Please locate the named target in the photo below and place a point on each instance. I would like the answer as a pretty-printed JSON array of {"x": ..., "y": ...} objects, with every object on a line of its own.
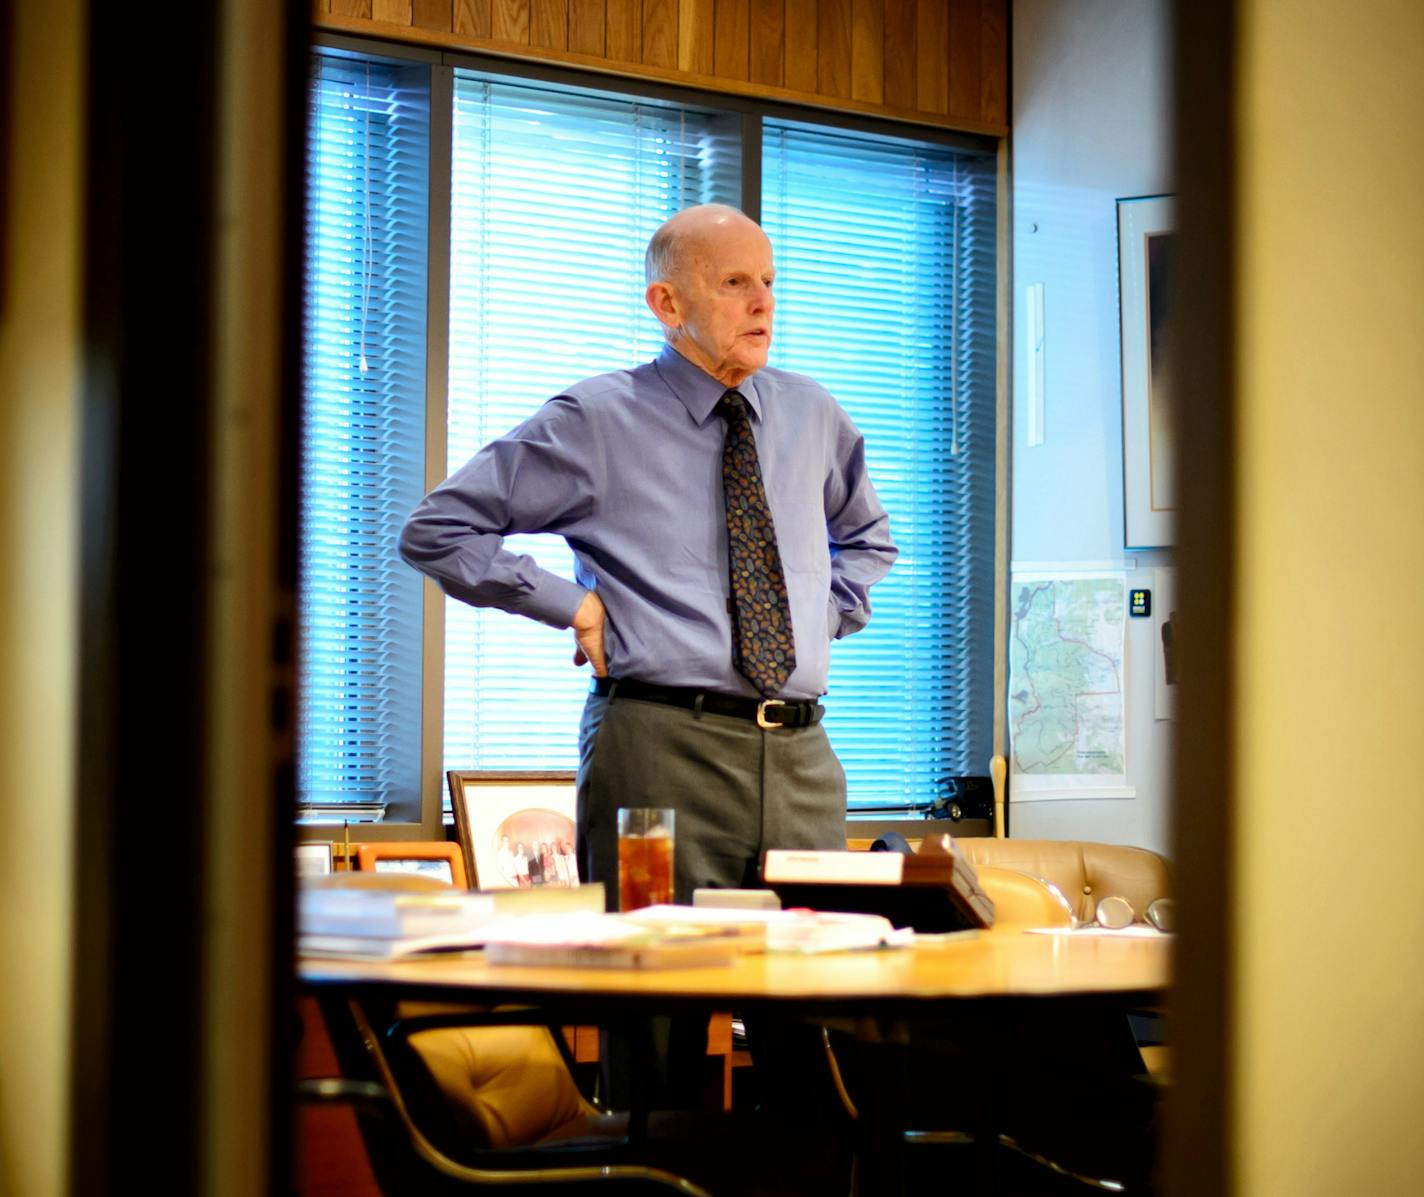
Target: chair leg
[{"x": 882, "y": 1122}]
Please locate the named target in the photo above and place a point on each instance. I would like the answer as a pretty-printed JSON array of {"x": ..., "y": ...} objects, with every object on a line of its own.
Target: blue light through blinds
[
  {"x": 553, "y": 198},
  {"x": 885, "y": 294},
  {"x": 363, "y": 435}
]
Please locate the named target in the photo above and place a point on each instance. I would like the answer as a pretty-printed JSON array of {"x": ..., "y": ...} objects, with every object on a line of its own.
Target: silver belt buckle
[{"x": 761, "y": 717}]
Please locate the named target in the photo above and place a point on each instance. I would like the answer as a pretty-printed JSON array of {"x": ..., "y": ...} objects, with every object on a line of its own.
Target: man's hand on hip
[{"x": 588, "y": 632}]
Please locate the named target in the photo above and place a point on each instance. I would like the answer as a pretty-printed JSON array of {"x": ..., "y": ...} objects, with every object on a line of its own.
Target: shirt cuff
[{"x": 555, "y": 601}]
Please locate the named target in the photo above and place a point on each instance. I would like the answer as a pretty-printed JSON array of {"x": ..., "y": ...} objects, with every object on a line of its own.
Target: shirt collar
[{"x": 699, "y": 391}]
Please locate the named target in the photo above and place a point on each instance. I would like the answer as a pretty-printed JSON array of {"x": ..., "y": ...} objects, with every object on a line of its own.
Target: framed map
[{"x": 1067, "y": 737}]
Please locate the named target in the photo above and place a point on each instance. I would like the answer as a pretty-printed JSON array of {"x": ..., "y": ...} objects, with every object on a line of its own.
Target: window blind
[
  {"x": 553, "y": 197},
  {"x": 885, "y": 295},
  {"x": 362, "y": 467},
  {"x": 885, "y": 253}
]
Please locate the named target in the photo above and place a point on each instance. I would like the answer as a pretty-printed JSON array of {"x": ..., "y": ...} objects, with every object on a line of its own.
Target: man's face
[{"x": 720, "y": 301}]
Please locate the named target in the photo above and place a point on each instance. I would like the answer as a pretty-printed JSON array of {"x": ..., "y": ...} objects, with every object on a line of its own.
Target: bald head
[
  {"x": 710, "y": 274},
  {"x": 677, "y": 237}
]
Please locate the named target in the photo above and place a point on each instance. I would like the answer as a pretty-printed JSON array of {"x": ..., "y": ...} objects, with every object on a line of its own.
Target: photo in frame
[
  {"x": 428, "y": 858},
  {"x": 314, "y": 860},
  {"x": 1146, "y": 240},
  {"x": 516, "y": 828}
]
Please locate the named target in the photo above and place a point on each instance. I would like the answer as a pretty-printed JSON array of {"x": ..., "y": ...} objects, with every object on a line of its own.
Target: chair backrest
[
  {"x": 406, "y": 1159},
  {"x": 501, "y": 1086},
  {"x": 1084, "y": 872},
  {"x": 1024, "y": 901}
]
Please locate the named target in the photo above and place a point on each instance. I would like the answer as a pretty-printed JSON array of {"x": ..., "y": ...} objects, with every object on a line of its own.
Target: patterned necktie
[{"x": 762, "y": 646}]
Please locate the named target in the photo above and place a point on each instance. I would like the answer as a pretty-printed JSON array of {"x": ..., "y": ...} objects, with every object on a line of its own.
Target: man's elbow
[{"x": 415, "y": 543}]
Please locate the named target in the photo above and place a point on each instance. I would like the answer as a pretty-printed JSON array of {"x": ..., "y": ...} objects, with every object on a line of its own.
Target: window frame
[{"x": 753, "y": 112}]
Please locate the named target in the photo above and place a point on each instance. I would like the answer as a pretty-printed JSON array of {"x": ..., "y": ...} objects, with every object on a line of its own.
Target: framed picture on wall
[
  {"x": 516, "y": 828},
  {"x": 429, "y": 858},
  {"x": 1145, "y": 244}
]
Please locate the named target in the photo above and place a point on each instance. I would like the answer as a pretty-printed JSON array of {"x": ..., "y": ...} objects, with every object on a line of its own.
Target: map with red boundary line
[{"x": 1066, "y": 676}]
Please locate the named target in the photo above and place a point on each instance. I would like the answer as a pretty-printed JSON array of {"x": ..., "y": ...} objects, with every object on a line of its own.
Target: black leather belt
[{"x": 770, "y": 713}]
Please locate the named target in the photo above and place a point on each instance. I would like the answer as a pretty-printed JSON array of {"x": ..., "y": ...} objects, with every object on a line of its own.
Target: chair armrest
[{"x": 337, "y": 1090}]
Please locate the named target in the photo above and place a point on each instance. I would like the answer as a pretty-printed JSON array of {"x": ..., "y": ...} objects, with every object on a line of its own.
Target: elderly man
[{"x": 726, "y": 532}]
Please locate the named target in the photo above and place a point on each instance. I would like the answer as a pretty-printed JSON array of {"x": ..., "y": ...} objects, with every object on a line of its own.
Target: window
[
  {"x": 885, "y": 255},
  {"x": 553, "y": 199},
  {"x": 363, "y": 462},
  {"x": 885, "y": 295}
]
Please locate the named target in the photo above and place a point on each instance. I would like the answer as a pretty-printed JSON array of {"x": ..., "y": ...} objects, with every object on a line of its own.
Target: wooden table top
[{"x": 992, "y": 964}]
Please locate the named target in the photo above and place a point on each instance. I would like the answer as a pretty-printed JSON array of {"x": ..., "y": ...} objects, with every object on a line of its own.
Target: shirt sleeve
[
  {"x": 540, "y": 478},
  {"x": 859, "y": 531}
]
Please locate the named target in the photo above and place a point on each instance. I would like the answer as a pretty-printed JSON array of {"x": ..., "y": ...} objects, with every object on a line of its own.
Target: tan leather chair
[
  {"x": 490, "y": 1077},
  {"x": 1042, "y": 883},
  {"x": 1021, "y": 900},
  {"x": 495, "y": 1105},
  {"x": 1084, "y": 872},
  {"x": 506, "y": 1086}
]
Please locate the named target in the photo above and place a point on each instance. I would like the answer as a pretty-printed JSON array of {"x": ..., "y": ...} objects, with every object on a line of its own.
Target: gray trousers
[{"x": 737, "y": 789}]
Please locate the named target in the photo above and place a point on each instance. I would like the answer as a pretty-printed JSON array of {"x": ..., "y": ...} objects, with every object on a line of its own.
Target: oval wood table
[
  {"x": 965, "y": 986},
  {"x": 988, "y": 965}
]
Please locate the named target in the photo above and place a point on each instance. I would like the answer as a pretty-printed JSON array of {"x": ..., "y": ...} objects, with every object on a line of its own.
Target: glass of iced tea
[{"x": 645, "y": 843}]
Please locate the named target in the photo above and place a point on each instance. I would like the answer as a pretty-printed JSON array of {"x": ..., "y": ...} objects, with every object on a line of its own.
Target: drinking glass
[{"x": 645, "y": 844}]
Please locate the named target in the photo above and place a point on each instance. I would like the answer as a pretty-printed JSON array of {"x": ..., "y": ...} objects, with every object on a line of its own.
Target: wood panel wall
[{"x": 933, "y": 62}]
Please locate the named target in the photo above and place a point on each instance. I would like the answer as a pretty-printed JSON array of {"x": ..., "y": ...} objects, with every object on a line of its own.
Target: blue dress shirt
[{"x": 626, "y": 467}]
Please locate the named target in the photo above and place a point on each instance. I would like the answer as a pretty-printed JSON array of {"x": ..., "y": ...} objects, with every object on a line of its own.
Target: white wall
[{"x": 1091, "y": 124}]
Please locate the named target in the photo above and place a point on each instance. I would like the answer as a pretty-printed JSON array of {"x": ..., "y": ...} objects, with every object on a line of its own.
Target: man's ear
[{"x": 662, "y": 302}]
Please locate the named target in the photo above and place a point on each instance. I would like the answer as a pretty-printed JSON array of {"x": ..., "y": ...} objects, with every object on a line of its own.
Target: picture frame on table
[
  {"x": 503, "y": 815},
  {"x": 1146, "y": 237},
  {"x": 429, "y": 858},
  {"x": 314, "y": 860}
]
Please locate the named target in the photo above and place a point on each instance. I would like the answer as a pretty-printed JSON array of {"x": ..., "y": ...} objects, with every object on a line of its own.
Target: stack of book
[{"x": 384, "y": 924}]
